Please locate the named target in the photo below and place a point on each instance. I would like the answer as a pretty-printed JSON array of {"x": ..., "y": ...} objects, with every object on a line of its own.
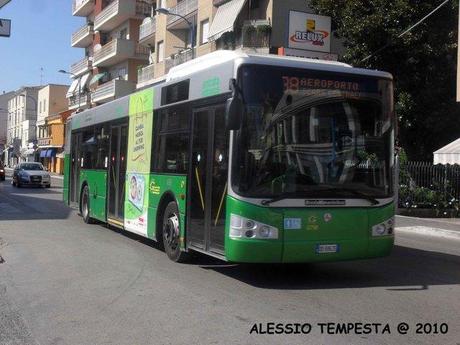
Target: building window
[
  {"x": 160, "y": 51},
  {"x": 44, "y": 105},
  {"x": 204, "y": 31}
]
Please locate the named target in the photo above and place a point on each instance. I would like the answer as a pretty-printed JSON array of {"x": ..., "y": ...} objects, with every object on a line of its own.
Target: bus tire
[
  {"x": 85, "y": 205},
  {"x": 171, "y": 233}
]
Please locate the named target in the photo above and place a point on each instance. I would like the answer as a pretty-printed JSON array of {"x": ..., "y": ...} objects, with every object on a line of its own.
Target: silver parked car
[{"x": 31, "y": 174}]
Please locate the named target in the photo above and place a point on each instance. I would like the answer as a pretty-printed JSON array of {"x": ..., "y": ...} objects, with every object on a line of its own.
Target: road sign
[
  {"x": 4, "y": 2},
  {"x": 5, "y": 27}
]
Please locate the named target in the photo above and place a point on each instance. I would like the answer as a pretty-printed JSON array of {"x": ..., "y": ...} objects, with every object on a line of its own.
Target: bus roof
[{"x": 223, "y": 56}]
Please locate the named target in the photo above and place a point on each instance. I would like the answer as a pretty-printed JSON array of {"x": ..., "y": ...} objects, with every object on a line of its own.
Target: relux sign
[{"x": 309, "y": 32}]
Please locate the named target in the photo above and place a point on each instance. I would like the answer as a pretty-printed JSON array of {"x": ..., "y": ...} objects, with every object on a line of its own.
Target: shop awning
[
  {"x": 50, "y": 153},
  {"x": 97, "y": 77},
  {"x": 225, "y": 18},
  {"x": 84, "y": 80},
  {"x": 72, "y": 88}
]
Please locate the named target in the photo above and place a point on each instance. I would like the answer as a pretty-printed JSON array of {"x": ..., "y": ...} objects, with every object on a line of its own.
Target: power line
[{"x": 406, "y": 31}]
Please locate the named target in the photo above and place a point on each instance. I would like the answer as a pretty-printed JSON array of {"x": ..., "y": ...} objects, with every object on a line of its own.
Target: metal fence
[{"x": 425, "y": 183}]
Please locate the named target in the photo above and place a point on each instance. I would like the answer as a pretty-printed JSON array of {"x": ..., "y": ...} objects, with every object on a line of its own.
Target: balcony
[
  {"x": 83, "y": 37},
  {"x": 178, "y": 59},
  {"x": 81, "y": 101},
  {"x": 111, "y": 90},
  {"x": 147, "y": 31},
  {"x": 145, "y": 76},
  {"x": 120, "y": 11},
  {"x": 119, "y": 50},
  {"x": 186, "y": 8},
  {"x": 82, "y": 8},
  {"x": 254, "y": 37},
  {"x": 82, "y": 66}
]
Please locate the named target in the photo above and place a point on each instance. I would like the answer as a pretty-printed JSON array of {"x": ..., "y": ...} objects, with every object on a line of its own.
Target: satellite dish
[
  {"x": 147, "y": 20},
  {"x": 97, "y": 47}
]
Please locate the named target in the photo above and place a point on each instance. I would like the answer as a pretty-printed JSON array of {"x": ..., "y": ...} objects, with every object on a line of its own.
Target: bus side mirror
[{"x": 233, "y": 115}]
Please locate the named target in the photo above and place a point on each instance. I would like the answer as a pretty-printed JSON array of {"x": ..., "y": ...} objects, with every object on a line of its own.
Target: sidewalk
[{"x": 439, "y": 227}]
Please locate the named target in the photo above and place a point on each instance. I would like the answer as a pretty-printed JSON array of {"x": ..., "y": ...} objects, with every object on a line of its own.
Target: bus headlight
[
  {"x": 241, "y": 227},
  {"x": 384, "y": 229}
]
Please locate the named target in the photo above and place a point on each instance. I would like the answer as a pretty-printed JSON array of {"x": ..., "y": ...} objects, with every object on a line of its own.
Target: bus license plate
[{"x": 327, "y": 248}]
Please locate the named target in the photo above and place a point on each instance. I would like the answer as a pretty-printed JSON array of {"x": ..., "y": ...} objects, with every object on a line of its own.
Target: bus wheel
[
  {"x": 171, "y": 233},
  {"x": 85, "y": 207}
]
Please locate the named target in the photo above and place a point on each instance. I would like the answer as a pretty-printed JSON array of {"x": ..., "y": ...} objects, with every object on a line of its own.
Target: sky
[{"x": 40, "y": 38}]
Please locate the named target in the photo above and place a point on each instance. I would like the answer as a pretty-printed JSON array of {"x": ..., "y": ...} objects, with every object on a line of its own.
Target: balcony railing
[
  {"x": 146, "y": 74},
  {"x": 253, "y": 37},
  {"x": 254, "y": 34},
  {"x": 178, "y": 59},
  {"x": 84, "y": 32},
  {"x": 119, "y": 11},
  {"x": 148, "y": 28},
  {"x": 81, "y": 66},
  {"x": 183, "y": 8},
  {"x": 82, "y": 7},
  {"x": 104, "y": 90},
  {"x": 118, "y": 50},
  {"x": 112, "y": 89},
  {"x": 79, "y": 101}
]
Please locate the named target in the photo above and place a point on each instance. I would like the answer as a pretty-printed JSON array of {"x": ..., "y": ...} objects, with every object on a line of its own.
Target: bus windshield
[{"x": 313, "y": 134}]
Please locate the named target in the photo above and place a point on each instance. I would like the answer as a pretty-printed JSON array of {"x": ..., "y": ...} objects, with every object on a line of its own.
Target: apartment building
[
  {"x": 4, "y": 98},
  {"x": 112, "y": 55},
  {"x": 22, "y": 118},
  {"x": 180, "y": 30},
  {"x": 51, "y": 101},
  {"x": 130, "y": 44}
]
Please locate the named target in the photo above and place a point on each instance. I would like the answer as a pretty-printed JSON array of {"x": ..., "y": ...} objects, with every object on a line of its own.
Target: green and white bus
[{"x": 247, "y": 158}]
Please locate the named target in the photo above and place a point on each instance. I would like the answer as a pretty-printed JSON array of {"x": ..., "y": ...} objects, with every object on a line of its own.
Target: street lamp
[
  {"x": 167, "y": 12},
  {"x": 79, "y": 85}
]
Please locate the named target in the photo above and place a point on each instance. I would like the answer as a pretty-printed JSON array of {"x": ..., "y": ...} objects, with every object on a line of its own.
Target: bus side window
[{"x": 172, "y": 140}]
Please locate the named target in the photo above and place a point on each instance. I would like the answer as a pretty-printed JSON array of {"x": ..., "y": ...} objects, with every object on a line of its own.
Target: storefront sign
[{"x": 309, "y": 32}]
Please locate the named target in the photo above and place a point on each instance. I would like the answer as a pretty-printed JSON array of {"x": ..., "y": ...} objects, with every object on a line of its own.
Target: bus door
[
  {"x": 208, "y": 180},
  {"x": 75, "y": 161},
  {"x": 117, "y": 174}
]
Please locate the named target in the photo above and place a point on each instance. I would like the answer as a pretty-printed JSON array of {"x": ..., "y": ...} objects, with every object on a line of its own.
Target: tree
[{"x": 423, "y": 62}]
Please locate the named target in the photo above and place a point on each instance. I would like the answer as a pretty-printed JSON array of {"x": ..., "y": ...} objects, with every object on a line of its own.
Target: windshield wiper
[
  {"x": 282, "y": 196},
  {"x": 371, "y": 199},
  {"x": 297, "y": 195}
]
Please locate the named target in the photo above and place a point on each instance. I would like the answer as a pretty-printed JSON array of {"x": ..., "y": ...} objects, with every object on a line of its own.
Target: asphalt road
[{"x": 64, "y": 282}]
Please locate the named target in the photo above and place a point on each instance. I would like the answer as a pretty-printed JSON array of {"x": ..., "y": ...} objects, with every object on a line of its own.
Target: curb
[{"x": 429, "y": 231}]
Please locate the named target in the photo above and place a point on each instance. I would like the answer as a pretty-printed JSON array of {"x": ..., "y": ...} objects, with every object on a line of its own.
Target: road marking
[{"x": 429, "y": 231}]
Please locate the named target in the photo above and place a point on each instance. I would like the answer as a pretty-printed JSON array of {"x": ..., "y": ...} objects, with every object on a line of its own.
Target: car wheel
[
  {"x": 85, "y": 206},
  {"x": 171, "y": 233},
  {"x": 18, "y": 184}
]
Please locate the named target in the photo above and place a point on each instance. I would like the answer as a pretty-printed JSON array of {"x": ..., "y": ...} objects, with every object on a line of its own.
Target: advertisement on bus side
[{"x": 138, "y": 164}]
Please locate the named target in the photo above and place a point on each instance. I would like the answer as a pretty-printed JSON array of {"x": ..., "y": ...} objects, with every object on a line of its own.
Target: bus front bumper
[{"x": 265, "y": 251}]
